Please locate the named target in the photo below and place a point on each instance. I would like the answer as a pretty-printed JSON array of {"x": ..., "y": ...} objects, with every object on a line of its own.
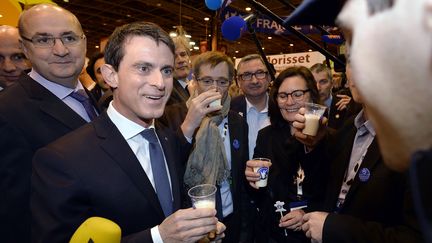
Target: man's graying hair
[{"x": 114, "y": 50}]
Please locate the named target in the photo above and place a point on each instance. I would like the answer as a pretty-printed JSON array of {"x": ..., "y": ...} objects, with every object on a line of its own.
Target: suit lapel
[
  {"x": 113, "y": 143},
  {"x": 237, "y": 149},
  {"x": 50, "y": 104},
  {"x": 371, "y": 159}
]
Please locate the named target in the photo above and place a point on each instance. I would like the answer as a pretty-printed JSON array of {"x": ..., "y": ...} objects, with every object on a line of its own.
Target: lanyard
[{"x": 299, "y": 181}]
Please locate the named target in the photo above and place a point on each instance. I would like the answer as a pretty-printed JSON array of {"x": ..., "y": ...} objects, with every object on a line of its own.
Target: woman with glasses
[{"x": 297, "y": 177}]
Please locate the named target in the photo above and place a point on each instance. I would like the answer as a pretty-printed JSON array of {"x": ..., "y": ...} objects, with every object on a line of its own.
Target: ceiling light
[
  {"x": 96, "y": 47},
  {"x": 66, "y": 1},
  {"x": 172, "y": 34},
  {"x": 209, "y": 35},
  {"x": 188, "y": 36},
  {"x": 236, "y": 51},
  {"x": 291, "y": 44},
  {"x": 128, "y": 15},
  {"x": 269, "y": 37},
  {"x": 263, "y": 48},
  {"x": 235, "y": 57},
  {"x": 310, "y": 49},
  {"x": 192, "y": 43},
  {"x": 196, "y": 48},
  {"x": 206, "y": 19},
  {"x": 1, "y": 16},
  {"x": 248, "y": 9}
]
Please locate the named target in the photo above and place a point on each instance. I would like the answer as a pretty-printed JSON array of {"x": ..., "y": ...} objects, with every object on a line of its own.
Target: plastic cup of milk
[
  {"x": 263, "y": 171},
  {"x": 313, "y": 115},
  {"x": 204, "y": 196}
]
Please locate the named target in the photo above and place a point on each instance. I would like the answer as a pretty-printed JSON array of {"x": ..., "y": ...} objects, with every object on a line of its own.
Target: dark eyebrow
[
  {"x": 167, "y": 66},
  {"x": 49, "y": 34},
  {"x": 377, "y": 6}
]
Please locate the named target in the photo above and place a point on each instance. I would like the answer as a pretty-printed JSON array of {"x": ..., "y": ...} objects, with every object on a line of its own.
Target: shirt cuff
[{"x": 156, "y": 237}]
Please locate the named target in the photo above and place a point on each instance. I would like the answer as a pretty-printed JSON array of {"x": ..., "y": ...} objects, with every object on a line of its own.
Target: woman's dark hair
[
  {"x": 90, "y": 66},
  {"x": 276, "y": 118}
]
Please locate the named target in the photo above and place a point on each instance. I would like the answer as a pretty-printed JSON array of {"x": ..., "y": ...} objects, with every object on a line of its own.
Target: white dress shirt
[
  {"x": 256, "y": 121},
  {"x": 131, "y": 132}
]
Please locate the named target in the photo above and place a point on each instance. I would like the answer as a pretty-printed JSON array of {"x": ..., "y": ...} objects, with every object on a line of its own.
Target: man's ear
[
  {"x": 110, "y": 75},
  {"x": 23, "y": 47}
]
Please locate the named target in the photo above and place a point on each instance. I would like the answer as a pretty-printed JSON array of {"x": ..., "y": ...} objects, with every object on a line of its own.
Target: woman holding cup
[{"x": 297, "y": 177}]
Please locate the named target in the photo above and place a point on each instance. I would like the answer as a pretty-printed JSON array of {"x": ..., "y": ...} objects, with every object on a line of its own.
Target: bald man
[
  {"x": 39, "y": 108},
  {"x": 12, "y": 59}
]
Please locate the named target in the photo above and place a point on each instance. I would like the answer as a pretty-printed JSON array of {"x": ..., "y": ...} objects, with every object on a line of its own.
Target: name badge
[{"x": 298, "y": 205}]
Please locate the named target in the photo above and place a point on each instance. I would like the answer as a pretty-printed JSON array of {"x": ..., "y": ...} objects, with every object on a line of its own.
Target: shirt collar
[
  {"x": 360, "y": 120},
  {"x": 58, "y": 90},
  {"x": 250, "y": 106},
  {"x": 127, "y": 128},
  {"x": 328, "y": 101}
]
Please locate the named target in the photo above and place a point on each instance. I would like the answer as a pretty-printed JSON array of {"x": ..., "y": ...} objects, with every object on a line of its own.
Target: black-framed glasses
[
  {"x": 247, "y": 76},
  {"x": 47, "y": 41},
  {"x": 221, "y": 82},
  {"x": 296, "y": 95}
]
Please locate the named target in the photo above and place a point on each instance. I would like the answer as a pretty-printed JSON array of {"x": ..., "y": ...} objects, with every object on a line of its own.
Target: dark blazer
[
  {"x": 337, "y": 118},
  {"x": 238, "y": 104},
  {"x": 286, "y": 154},
  {"x": 239, "y": 228},
  {"x": 93, "y": 172},
  {"x": 178, "y": 94},
  {"x": 30, "y": 118},
  {"x": 379, "y": 209}
]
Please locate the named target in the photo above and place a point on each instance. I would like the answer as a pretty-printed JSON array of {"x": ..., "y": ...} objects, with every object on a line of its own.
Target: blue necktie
[
  {"x": 81, "y": 96},
  {"x": 159, "y": 170}
]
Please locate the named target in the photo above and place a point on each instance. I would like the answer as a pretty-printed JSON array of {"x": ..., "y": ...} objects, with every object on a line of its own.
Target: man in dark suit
[
  {"x": 253, "y": 80},
  {"x": 340, "y": 106},
  {"x": 115, "y": 167},
  {"x": 39, "y": 108},
  {"x": 182, "y": 66},
  {"x": 366, "y": 201}
]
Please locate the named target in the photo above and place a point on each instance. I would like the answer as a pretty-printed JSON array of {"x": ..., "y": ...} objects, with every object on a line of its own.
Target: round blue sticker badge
[
  {"x": 364, "y": 174},
  {"x": 236, "y": 144}
]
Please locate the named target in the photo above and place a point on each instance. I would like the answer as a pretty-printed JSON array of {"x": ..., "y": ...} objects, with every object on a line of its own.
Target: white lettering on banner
[
  {"x": 283, "y": 61},
  {"x": 269, "y": 24}
]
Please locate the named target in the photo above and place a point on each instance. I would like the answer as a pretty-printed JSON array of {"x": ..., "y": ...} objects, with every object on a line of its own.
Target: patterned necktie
[
  {"x": 81, "y": 96},
  {"x": 159, "y": 170}
]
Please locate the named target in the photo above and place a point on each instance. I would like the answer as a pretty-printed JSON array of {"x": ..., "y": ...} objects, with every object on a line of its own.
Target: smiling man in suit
[
  {"x": 39, "y": 108},
  {"x": 123, "y": 166}
]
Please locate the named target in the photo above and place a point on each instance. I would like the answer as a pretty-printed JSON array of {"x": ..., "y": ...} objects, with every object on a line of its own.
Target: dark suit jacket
[
  {"x": 178, "y": 94},
  {"x": 30, "y": 118},
  {"x": 379, "y": 209},
  {"x": 93, "y": 172},
  {"x": 286, "y": 153},
  {"x": 238, "y": 129},
  {"x": 238, "y": 104},
  {"x": 337, "y": 118}
]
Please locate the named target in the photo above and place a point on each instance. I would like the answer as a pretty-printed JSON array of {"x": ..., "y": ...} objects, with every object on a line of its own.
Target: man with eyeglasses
[
  {"x": 340, "y": 106},
  {"x": 44, "y": 105},
  {"x": 12, "y": 60},
  {"x": 253, "y": 80},
  {"x": 220, "y": 148}
]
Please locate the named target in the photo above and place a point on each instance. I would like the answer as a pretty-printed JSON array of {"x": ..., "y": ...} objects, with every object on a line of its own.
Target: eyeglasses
[
  {"x": 43, "y": 41},
  {"x": 296, "y": 95},
  {"x": 209, "y": 82},
  {"x": 248, "y": 76}
]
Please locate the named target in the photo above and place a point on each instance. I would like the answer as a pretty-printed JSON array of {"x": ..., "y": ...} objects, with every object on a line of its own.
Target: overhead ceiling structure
[{"x": 100, "y": 17}]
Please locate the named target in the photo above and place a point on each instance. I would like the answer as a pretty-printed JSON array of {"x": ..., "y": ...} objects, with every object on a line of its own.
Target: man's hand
[
  {"x": 198, "y": 109},
  {"x": 313, "y": 225},
  {"x": 252, "y": 176},
  {"x": 189, "y": 225},
  {"x": 343, "y": 102},
  {"x": 299, "y": 124},
  {"x": 292, "y": 220}
]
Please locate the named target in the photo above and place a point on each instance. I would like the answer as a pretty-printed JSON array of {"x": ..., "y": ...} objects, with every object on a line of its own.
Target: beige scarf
[{"x": 207, "y": 163}]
